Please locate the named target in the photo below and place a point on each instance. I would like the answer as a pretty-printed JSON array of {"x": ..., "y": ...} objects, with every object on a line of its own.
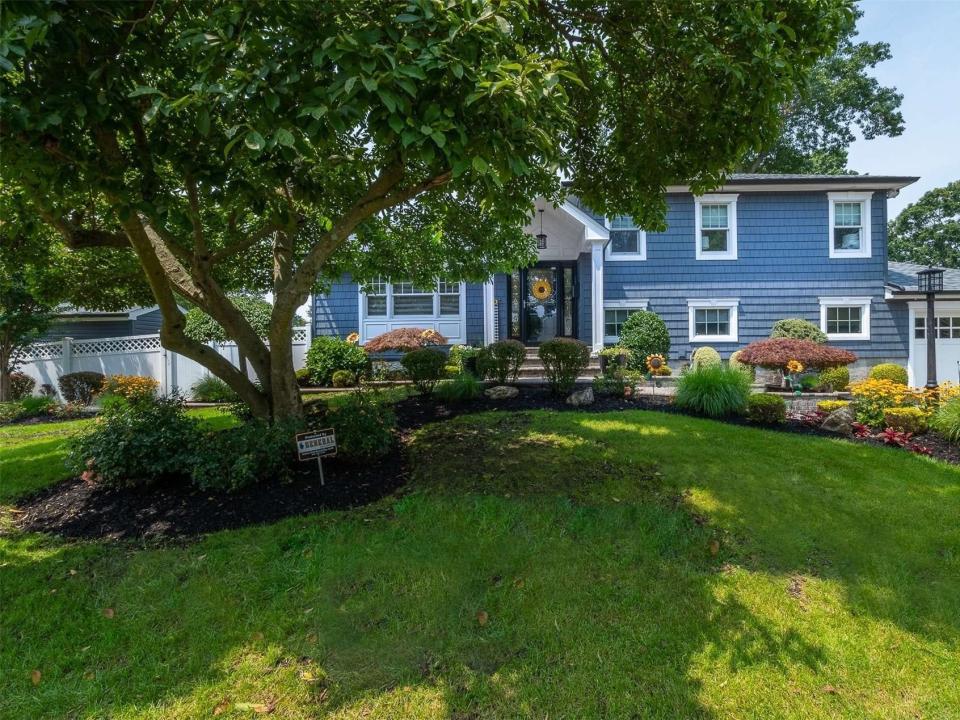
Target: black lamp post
[{"x": 930, "y": 282}]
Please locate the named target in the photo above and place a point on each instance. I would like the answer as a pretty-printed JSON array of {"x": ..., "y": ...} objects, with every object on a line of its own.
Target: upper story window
[
  {"x": 627, "y": 241},
  {"x": 713, "y": 320},
  {"x": 849, "y": 224},
  {"x": 403, "y": 299},
  {"x": 716, "y": 227},
  {"x": 845, "y": 318}
]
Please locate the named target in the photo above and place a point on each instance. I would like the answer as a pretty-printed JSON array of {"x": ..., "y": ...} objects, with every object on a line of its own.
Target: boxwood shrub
[
  {"x": 798, "y": 329},
  {"x": 889, "y": 371},
  {"x": 501, "y": 360},
  {"x": 563, "y": 360},
  {"x": 835, "y": 379},
  {"x": 705, "y": 356},
  {"x": 644, "y": 333},
  {"x": 766, "y": 409}
]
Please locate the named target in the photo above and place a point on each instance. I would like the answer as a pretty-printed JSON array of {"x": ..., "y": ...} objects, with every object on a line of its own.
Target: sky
[{"x": 924, "y": 37}]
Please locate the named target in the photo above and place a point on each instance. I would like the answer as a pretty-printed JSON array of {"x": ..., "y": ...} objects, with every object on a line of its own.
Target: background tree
[
  {"x": 928, "y": 231},
  {"x": 839, "y": 97},
  {"x": 257, "y": 145}
]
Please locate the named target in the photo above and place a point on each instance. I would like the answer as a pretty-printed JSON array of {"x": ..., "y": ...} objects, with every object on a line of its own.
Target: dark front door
[{"x": 544, "y": 301}]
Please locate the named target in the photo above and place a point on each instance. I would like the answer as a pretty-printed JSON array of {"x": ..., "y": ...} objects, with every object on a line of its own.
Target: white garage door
[{"x": 947, "y": 334}]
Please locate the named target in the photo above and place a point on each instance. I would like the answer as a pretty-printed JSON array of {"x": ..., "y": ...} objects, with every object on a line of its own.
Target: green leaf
[
  {"x": 348, "y": 85},
  {"x": 151, "y": 112},
  {"x": 284, "y": 137},
  {"x": 369, "y": 83},
  {"x": 254, "y": 141},
  {"x": 203, "y": 122},
  {"x": 273, "y": 102},
  {"x": 143, "y": 90},
  {"x": 388, "y": 99},
  {"x": 396, "y": 123},
  {"x": 438, "y": 138},
  {"x": 408, "y": 18},
  {"x": 480, "y": 165}
]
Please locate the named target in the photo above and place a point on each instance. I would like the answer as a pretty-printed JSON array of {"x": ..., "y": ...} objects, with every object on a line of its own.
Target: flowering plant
[
  {"x": 134, "y": 388},
  {"x": 794, "y": 367},
  {"x": 353, "y": 338}
]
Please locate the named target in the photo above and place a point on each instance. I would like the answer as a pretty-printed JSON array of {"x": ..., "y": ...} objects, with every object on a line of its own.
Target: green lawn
[{"x": 539, "y": 565}]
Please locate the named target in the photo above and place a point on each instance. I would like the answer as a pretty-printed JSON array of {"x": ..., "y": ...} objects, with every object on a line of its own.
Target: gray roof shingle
[{"x": 903, "y": 275}]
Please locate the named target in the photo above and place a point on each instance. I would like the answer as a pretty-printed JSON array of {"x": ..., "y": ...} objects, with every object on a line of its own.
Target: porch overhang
[{"x": 570, "y": 231}]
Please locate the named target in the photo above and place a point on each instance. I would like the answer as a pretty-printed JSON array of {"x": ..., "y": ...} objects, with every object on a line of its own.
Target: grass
[{"x": 561, "y": 565}]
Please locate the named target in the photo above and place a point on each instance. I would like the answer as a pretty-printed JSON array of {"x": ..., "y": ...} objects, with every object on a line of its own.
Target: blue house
[{"x": 729, "y": 265}]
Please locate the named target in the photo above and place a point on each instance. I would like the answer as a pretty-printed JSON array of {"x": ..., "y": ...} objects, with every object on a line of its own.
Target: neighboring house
[
  {"x": 82, "y": 324},
  {"x": 729, "y": 265},
  {"x": 902, "y": 292}
]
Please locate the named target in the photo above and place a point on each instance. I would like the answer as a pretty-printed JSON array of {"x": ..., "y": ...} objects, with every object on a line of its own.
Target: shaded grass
[{"x": 585, "y": 540}]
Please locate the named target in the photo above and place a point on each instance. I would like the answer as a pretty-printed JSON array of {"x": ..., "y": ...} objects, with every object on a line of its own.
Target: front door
[{"x": 545, "y": 300}]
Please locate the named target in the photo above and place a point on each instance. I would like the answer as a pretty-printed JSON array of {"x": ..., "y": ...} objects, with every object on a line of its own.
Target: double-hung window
[
  {"x": 404, "y": 299},
  {"x": 713, "y": 320},
  {"x": 409, "y": 300},
  {"x": 849, "y": 214},
  {"x": 716, "y": 227},
  {"x": 615, "y": 314},
  {"x": 627, "y": 241},
  {"x": 376, "y": 298},
  {"x": 845, "y": 318}
]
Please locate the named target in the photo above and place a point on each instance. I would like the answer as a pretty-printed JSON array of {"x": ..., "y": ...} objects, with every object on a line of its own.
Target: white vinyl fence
[{"x": 132, "y": 355}]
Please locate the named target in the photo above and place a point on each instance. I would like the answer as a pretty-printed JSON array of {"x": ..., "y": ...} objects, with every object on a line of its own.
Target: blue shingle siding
[
  {"x": 782, "y": 269},
  {"x": 337, "y": 312},
  {"x": 585, "y": 282},
  {"x": 474, "y": 314},
  {"x": 88, "y": 329},
  {"x": 148, "y": 323}
]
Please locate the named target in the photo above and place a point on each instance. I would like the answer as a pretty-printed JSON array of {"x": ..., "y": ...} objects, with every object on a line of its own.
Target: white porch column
[
  {"x": 489, "y": 331},
  {"x": 596, "y": 293}
]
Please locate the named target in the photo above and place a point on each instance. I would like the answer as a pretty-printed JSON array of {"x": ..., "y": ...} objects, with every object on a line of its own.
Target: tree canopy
[
  {"x": 259, "y": 145},
  {"x": 839, "y": 98},
  {"x": 928, "y": 231}
]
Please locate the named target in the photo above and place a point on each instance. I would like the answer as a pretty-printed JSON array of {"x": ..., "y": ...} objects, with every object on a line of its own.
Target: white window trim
[
  {"x": 731, "y": 202},
  {"x": 620, "y": 305},
  {"x": 862, "y": 302},
  {"x": 608, "y": 253},
  {"x": 731, "y": 304},
  {"x": 865, "y": 250},
  {"x": 433, "y": 317}
]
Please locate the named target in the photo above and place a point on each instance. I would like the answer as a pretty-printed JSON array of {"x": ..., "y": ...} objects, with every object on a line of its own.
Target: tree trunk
[
  {"x": 285, "y": 397},
  {"x": 6, "y": 353}
]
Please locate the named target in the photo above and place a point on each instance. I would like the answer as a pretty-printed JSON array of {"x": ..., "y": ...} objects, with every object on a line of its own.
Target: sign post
[{"x": 318, "y": 444}]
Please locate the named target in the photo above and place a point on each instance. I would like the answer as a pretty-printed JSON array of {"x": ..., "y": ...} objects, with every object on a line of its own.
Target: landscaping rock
[
  {"x": 581, "y": 397},
  {"x": 840, "y": 421},
  {"x": 501, "y": 392}
]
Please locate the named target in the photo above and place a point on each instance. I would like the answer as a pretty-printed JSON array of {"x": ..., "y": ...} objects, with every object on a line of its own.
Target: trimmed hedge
[
  {"x": 835, "y": 379},
  {"x": 766, "y": 409},
  {"x": 889, "y": 371},
  {"x": 705, "y": 356},
  {"x": 644, "y": 333},
  {"x": 563, "y": 360}
]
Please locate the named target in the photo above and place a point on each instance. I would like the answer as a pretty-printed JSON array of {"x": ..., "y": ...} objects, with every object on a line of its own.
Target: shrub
[
  {"x": 872, "y": 398},
  {"x": 462, "y": 387},
  {"x": 425, "y": 367},
  {"x": 329, "y": 354},
  {"x": 618, "y": 357},
  {"x": 563, "y": 360},
  {"x": 766, "y": 409},
  {"x": 343, "y": 379},
  {"x": 610, "y": 384},
  {"x": 364, "y": 427},
  {"x": 810, "y": 382},
  {"x": 501, "y": 360},
  {"x": 644, "y": 333},
  {"x": 35, "y": 406},
  {"x": 833, "y": 379},
  {"x": 830, "y": 406},
  {"x": 705, "y": 356},
  {"x": 460, "y": 353},
  {"x": 135, "y": 443},
  {"x": 214, "y": 390},
  {"x": 713, "y": 391},
  {"x": 735, "y": 364},
  {"x": 303, "y": 377},
  {"x": 889, "y": 371},
  {"x": 906, "y": 419},
  {"x": 80, "y": 387},
  {"x": 404, "y": 340},
  {"x": 239, "y": 456},
  {"x": 946, "y": 420},
  {"x": 798, "y": 329},
  {"x": 135, "y": 388},
  {"x": 21, "y": 385},
  {"x": 777, "y": 352}
]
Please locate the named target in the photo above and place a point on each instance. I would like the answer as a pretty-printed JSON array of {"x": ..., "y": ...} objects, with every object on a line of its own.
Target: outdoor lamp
[{"x": 930, "y": 282}]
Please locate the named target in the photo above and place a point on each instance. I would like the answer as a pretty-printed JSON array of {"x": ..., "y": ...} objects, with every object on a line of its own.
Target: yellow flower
[
  {"x": 353, "y": 338},
  {"x": 655, "y": 361},
  {"x": 794, "y": 366}
]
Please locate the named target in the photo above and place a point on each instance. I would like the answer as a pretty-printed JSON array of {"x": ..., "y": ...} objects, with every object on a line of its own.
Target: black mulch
[{"x": 176, "y": 511}]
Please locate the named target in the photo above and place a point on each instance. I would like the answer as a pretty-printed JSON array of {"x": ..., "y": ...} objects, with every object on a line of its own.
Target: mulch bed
[{"x": 176, "y": 511}]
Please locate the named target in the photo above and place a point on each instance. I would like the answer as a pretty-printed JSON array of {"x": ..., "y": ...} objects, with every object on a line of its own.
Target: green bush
[
  {"x": 36, "y": 406},
  {"x": 459, "y": 353},
  {"x": 906, "y": 419},
  {"x": 210, "y": 389},
  {"x": 303, "y": 377},
  {"x": 810, "y": 382},
  {"x": 343, "y": 379},
  {"x": 644, "y": 333},
  {"x": 135, "y": 443},
  {"x": 80, "y": 387},
  {"x": 613, "y": 384},
  {"x": 462, "y": 387},
  {"x": 329, "y": 354},
  {"x": 21, "y": 385},
  {"x": 425, "y": 367},
  {"x": 239, "y": 456},
  {"x": 735, "y": 364},
  {"x": 563, "y": 360},
  {"x": 713, "y": 391},
  {"x": 946, "y": 420},
  {"x": 833, "y": 379},
  {"x": 704, "y": 357},
  {"x": 889, "y": 371},
  {"x": 797, "y": 329},
  {"x": 364, "y": 427},
  {"x": 501, "y": 360},
  {"x": 766, "y": 409}
]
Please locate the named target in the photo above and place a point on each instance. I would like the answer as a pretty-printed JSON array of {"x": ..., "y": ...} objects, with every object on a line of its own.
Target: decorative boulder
[
  {"x": 581, "y": 397},
  {"x": 840, "y": 421},
  {"x": 501, "y": 392}
]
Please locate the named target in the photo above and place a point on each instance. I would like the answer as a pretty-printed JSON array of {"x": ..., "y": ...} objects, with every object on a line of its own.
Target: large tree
[
  {"x": 928, "y": 231},
  {"x": 839, "y": 98},
  {"x": 263, "y": 145}
]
